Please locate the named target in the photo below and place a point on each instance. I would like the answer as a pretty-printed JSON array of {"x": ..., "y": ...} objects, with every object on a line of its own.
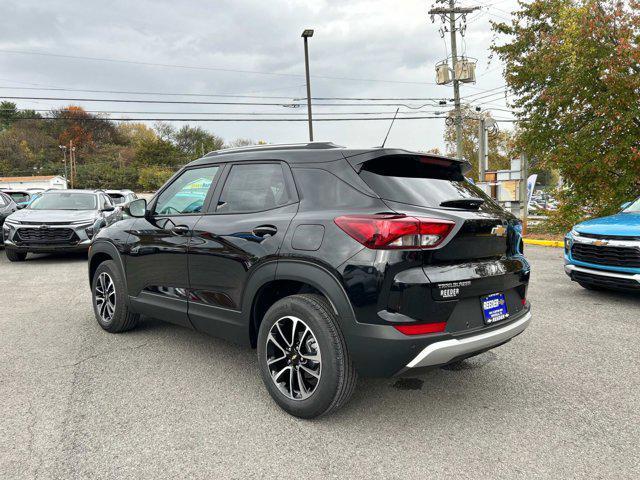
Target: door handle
[
  {"x": 265, "y": 231},
  {"x": 180, "y": 229}
]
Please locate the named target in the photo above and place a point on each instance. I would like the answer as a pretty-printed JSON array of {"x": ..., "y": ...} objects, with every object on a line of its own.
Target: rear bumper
[{"x": 443, "y": 352}]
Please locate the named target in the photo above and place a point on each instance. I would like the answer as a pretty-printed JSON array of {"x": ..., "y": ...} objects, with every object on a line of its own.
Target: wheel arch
[
  {"x": 101, "y": 252},
  {"x": 292, "y": 277}
]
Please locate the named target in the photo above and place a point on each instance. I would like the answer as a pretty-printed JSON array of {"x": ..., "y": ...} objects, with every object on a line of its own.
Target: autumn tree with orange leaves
[{"x": 574, "y": 67}]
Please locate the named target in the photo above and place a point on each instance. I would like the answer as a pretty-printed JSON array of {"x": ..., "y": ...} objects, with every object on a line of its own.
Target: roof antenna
[{"x": 390, "y": 126}]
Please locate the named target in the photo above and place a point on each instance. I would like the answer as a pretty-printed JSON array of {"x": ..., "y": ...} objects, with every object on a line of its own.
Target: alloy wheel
[
  {"x": 293, "y": 358},
  {"x": 105, "y": 293}
]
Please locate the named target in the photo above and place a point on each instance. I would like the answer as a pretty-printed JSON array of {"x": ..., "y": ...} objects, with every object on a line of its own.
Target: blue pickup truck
[{"x": 604, "y": 253}]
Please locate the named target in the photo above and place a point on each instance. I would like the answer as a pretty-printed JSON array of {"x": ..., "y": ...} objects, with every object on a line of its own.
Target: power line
[
  {"x": 200, "y": 102},
  {"x": 222, "y": 95},
  {"x": 237, "y": 119},
  {"x": 197, "y": 67},
  {"x": 147, "y": 112}
]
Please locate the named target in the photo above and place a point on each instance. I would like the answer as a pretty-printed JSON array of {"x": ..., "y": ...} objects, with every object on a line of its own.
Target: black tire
[
  {"x": 337, "y": 375},
  {"x": 14, "y": 255},
  {"x": 122, "y": 319}
]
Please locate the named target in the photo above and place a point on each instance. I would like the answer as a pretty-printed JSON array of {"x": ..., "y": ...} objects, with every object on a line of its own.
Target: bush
[
  {"x": 106, "y": 176},
  {"x": 151, "y": 179}
]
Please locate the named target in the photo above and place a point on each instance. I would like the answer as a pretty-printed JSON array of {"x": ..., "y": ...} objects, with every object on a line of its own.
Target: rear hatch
[
  {"x": 427, "y": 186},
  {"x": 476, "y": 259}
]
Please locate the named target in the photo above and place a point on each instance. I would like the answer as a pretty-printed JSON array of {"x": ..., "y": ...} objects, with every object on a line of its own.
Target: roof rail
[{"x": 277, "y": 146}]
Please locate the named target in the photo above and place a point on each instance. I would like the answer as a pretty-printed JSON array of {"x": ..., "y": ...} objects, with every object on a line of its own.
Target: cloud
[{"x": 373, "y": 39}]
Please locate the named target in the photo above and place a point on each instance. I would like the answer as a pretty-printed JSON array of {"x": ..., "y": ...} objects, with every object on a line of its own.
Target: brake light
[
  {"x": 382, "y": 232},
  {"x": 421, "y": 329}
]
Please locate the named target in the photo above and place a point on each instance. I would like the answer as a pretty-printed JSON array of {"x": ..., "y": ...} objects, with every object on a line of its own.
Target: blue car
[{"x": 604, "y": 253}]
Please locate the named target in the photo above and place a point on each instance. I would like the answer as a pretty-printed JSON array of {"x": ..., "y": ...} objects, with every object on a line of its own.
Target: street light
[{"x": 308, "y": 33}]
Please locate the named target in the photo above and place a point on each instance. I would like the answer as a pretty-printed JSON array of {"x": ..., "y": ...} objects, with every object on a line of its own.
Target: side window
[
  {"x": 253, "y": 188},
  {"x": 2, "y": 201},
  {"x": 187, "y": 192},
  {"x": 105, "y": 201}
]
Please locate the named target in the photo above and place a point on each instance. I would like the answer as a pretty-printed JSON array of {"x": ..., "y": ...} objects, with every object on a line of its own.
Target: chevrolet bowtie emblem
[
  {"x": 498, "y": 231},
  {"x": 600, "y": 243}
]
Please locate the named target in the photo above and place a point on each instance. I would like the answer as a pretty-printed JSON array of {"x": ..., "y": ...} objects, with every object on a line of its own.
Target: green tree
[
  {"x": 574, "y": 67},
  {"x": 152, "y": 178},
  {"x": 195, "y": 141},
  {"x": 159, "y": 152}
]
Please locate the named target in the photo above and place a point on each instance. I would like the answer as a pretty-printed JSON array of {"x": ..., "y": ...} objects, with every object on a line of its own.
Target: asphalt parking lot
[{"x": 560, "y": 401}]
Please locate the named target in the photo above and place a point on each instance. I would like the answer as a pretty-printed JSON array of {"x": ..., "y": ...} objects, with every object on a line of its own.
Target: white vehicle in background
[{"x": 121, "y": 197}]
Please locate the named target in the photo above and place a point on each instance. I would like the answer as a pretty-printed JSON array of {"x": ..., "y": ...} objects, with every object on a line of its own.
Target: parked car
[
  {"x": 21, "y": 197},
  {"x": 121, "y": 197},
  {"x": 7, "y": 207},
  {"x": 604, "y": 253},
  {"x": 331, "y": 262},
  {"x": 58, "y": 220}
]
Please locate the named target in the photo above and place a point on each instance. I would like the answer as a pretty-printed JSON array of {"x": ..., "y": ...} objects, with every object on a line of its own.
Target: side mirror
[
  {"x": 625, "y": 205},
  {"x": 109, "y": 208},
  {"x": 136, "y": 208},
  {"x": 21, "y": 206}
]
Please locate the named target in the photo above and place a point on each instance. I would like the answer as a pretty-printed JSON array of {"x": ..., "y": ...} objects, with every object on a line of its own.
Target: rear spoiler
[{"x": 358, "y": 158}]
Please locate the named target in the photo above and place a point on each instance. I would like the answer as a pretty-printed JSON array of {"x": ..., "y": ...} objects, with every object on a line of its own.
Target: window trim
[
  {"x": 286, "y": 173},
  {"x": 214, "y": 183}
]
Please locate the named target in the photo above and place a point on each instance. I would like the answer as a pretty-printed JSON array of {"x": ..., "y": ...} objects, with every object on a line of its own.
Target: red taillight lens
[
  {"x": 395, "y": 231},
  {"x": 421, "y": 329}
]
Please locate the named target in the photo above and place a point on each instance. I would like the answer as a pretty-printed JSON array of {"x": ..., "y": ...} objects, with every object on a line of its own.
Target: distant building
[{"x": 36, "y": 181}]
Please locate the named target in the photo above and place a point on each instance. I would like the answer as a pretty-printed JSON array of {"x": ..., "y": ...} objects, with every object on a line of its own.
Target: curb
[{"x": 544, "y": 243}]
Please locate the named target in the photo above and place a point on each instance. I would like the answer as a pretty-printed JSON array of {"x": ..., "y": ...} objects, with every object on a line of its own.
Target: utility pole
[
  {"x": 64, "y": 154},
  {"x": 308, "y": 33},
  {"x": 451, "y": 13},
  {"x": 524, "y": 194},
  {"x": 483, "y": 149}
]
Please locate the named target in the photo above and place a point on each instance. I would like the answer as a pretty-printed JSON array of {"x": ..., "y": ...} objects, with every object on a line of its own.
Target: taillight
[
  {"x": 421, "y": 329},
  {"x": 381, "y": 232}
]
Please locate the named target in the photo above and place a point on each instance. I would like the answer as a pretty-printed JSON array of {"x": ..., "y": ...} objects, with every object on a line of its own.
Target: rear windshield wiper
[{"x": 471, "y": 203}]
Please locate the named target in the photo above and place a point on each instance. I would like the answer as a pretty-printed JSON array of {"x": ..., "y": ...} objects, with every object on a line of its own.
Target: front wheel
[
  {"x": 109, "y": 306},
  {"x": 303, "y": 357}
]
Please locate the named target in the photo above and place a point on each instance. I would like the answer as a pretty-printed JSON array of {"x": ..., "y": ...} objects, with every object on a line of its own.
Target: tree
[
  {"x": 152, "y": 178},
  {"x": 574, "y": 67},
  {"x": 500, "y": 143},
  {"x": 195, "y": 141},
  {"x": 135, "y": 134}
]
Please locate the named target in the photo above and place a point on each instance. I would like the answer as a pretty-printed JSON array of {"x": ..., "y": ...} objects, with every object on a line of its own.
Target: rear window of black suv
[{"x": 422, "y": 181}]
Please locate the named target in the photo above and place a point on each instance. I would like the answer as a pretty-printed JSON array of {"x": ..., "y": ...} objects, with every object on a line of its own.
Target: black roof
[{"x": 313, "y": 152}]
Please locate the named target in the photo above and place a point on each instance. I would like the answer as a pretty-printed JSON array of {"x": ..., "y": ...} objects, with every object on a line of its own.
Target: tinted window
[
  {"x": 187, "y": 193},
  {"x": 19, "y": 197},
  {"x": 323, "y": 190},
  {"x": 117, "y": 198},
  {"x": 65, "y": 201},
  {"x": 253, "y": 188},
  {"x": 420, "y": 181}
]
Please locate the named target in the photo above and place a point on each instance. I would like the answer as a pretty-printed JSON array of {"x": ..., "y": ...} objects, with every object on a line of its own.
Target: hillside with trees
[{"x": 108, "y": 154}]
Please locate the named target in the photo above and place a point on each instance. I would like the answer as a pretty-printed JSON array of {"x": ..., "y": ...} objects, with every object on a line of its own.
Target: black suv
[{"x": 331, "y": 262}]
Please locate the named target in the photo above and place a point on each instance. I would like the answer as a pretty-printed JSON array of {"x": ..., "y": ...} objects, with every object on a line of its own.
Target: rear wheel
[
  {"x": 15, "y": 256},
  {"x": 109, "y": 306},
  {"x": 303, "y": 357}
]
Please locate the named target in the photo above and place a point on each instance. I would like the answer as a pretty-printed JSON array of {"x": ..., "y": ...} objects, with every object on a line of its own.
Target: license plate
[{"x": 494, "y": 308}]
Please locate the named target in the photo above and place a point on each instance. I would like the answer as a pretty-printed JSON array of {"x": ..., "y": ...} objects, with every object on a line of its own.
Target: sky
[{"x": 360, "y": 48}]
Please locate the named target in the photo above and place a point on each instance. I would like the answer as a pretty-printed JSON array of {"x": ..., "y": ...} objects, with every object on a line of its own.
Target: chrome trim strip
[
  {"x": 442, "y": 352},
  {"x": 592, "y": 271},
  {"x": 605, "y": 242}
]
